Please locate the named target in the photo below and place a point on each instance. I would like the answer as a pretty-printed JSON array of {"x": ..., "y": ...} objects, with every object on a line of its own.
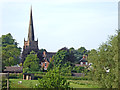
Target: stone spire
[{"x": 31, "y": 29}]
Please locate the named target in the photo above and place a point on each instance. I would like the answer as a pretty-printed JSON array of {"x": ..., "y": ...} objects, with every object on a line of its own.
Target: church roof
[{"x": 31, "y": 28}]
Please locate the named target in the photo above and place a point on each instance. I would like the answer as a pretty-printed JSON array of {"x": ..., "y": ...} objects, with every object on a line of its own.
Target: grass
[
  {"x": 32, "y": 83},
  {"x": 83, "y": 84},
  {"x": 25, "y": 83}
]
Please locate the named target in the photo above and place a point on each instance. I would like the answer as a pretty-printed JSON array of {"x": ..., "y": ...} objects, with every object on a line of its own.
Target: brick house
[{"x": 46, "y": 59}]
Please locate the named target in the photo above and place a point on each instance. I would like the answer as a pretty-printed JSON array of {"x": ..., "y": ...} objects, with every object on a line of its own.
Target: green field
[
  {"x": 25, "y": 83},
  {"x": 32, "y": 83},
  {"x": 83, "y": 84}
]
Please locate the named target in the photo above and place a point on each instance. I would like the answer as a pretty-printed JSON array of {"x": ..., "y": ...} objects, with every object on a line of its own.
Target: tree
[
  {"x": 10, "y": 51},
  {"x": 8, "y": 40},
  {"x": 61, "y": 57},
  {"x": 31, "y": 63},
  {"x": 50, "y": 66},
  {"x": 53, "y": 79},
  {"x": 105, "y": 63},
  {"x": 78, "y": 69},
  {"x": 78, "y": 54}
]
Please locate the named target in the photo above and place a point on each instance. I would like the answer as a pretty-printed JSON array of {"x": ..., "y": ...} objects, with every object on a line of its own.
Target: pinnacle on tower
[{"x": 31, "y": 28}]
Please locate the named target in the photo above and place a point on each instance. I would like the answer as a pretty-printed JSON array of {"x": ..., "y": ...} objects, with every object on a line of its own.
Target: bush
[
  {"x": 42, "y": 73},
  {"x": 4, "y": 83},
  {"x": 78, "y": 69},
  {"x": 16, "y": 75},
  {"x": 36, "y": 76},
  {"x": 53, "y": 79}
]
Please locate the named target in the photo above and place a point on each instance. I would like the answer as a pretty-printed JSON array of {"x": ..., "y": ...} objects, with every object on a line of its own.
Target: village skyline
[{"x": 64, "y": 24}]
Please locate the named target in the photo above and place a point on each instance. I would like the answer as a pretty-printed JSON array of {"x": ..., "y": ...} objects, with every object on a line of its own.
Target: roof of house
[
  {"x": 44, "y": 60},
  {"x": 13, "y": 69},
  {"x": 50, "y": 54}
]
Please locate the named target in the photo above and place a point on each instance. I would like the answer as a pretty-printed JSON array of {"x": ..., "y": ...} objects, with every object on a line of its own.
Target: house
[
  {"x": 46, "y": 59},
  {"x": 83, "y": 62}
]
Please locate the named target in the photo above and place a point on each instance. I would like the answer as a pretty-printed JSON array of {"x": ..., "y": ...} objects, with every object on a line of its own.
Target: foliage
[
  {"x": 66, "y": 69},
  {"x": 50, "y": 66},
  {"x": 31, "y": 83},
  {"x": 10, "y": 51},
  {"x": 105, "y": 63},
  {"x": 15, "y": 75},
  {"x": 78, "y": 54},
  {"x": 78, "y": 78},
  {"x": 60, "y": 58},
  {"x": 40, "y": 54},
  {"x": 8, "y": 40},
  {"x": 31, "y": 63},
  {"x": 25, "y": 83},
  {"x": 78, "y": 69},
  {"x": 3, "y": 81},
  {"x": 53, "y": 79}
]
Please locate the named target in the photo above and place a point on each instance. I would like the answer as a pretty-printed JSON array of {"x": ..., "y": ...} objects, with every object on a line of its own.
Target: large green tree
[
  {"x": 105, "y": 63},
  {"x": 61, "y": 57},
  {"x": 31, "y": 63},
  {"x": 10, "y": 51},
  {"x": 78, "y": 54}
]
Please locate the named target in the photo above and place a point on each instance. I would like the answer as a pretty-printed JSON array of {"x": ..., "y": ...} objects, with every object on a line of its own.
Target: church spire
[{"x": 31, "y": 29}]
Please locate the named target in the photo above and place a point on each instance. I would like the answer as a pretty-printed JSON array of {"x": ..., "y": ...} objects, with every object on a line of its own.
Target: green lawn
[
  {"x": 24, "y": 84},
  {"x": 32, "y": 83},
  {"x": 83, "y": 84}
]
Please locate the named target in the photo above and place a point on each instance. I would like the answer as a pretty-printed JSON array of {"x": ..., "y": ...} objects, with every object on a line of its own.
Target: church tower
[{"x": 30, "y": 44}]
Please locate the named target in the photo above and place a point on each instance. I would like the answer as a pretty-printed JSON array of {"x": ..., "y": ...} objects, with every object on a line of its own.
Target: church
[{"x": 31, "y": 45}]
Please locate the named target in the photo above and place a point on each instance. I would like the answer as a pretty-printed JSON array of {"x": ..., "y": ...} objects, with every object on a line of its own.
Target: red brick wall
[{"x": 43, "y": 64}]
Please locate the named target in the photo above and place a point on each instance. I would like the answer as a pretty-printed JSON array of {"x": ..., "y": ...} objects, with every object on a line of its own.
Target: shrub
[
  {"x": 53, "y": 79},
  {"x": 16, "y": 75}
]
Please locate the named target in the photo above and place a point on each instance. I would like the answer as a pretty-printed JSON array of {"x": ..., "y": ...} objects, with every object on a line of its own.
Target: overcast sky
[{"x": 63, "y": 23}]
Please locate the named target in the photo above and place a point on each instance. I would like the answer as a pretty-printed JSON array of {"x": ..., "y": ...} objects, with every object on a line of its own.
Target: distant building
[
  {"x": 83, "y": 62},
  {"x": 46, "y": 59},
  {"x": 31, "y": 44}
]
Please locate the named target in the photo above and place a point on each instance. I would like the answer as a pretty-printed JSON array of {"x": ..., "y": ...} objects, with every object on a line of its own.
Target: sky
[{"x": 60, "y": 23}]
